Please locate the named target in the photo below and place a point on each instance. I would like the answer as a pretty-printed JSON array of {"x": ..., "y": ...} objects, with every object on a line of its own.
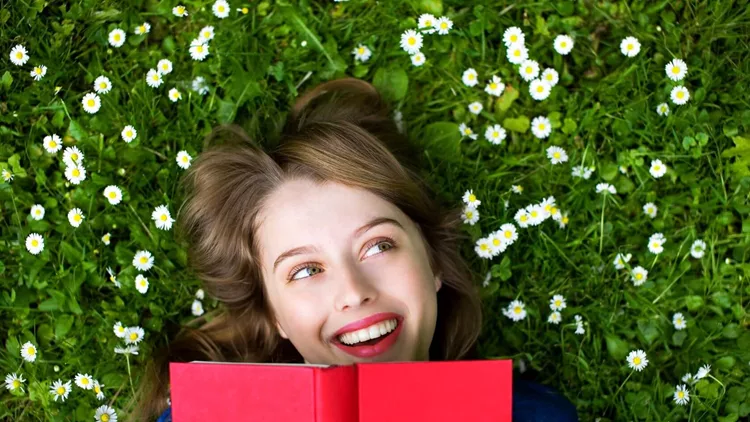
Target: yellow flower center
[
  {"x": 565, "y": 220},
  {"x": 513, "y": 38},
  {"x": 142, "y": 28},
  {"x": 524, "y": 218},
  {"x": 483, "y": 247},
  {"x": 679, "y": 321},
  {"x": 76, "y": 172},
  {"x": 38, "y": 70},
  {"x": 556, "y": 155},
  {"x": 143, "y": 260},
  {"x": 472, "y": 198},
  {"x": 558, "y": 303},
  {"x": 471, "y": 76},
  {"x": 52, "y": 144},
  {"x": 508, "y": 234},
  {"x": 91, "y": 102},
  {"x": 469, "y": 214},
  {"x": 412, "y": 41},
  {"x": 184, "y": 158},
  {"x": 163, "y": 217},
  {"x": 129, "y": 133},
  {"x": 19, "y": 55},
  {"x": 85, "y": 381},
  {"x": 245, "y": 10},
  {"x": 103, "y": 85},
  {"x": 444, "y": 25},
  {"x": 199, "y": 49},
  {"x": 540, "y": 89},
  {"x": 60, "y": 391},
  {"x": 630, "y": 46},
  {"x": 361, "y": 50},
  {"x": 496, "y": 242},
  {"x": 517, "y": 309},
  {"x": 563, "y": 44},
  {"x": 428, "y": 23},
  {"x": 180, "y": 9},
  {"x": 34, "y": 243},
  {"x": 529, "y": 69},
  {"x": 637, "y": 360},
  {"x": 105, "y": 418},
  {"x": 97, "y": 390},
  {"x": 143, "y": 284},
  {"x": 681, "y": 394},
  {"x": 495, "y": 134},
  {"x": 638, "y": 276},
  {"x": 549, "y": 77},
  {"x": 16, "y": 384},
  {"x": 221, "y": 8},
  {"x": 675, "y": 69},
  {"x": 542, "y": 126},
  {"x": 117, "y": 37},
  {"x": 680, "y": 94},
  {"x": 156, "y": 77},
  {"x": 207, "y": 34},
  {"x": 650, "y": 210},
  {"x": 112, "y": 279},
  {"x": 493, "y": 85},
  {"x": 534, "y": 214},
  {"x": 134, "y": 336},
  {"x": 517, "y": 53},
  {"x": 77, "y": 217},
  {"x": 553, "y": 210},
  {"x": 112, "y": 195},
  {"x": 467, "y": 131},
  {"x": 655, "y": 244},
  {"x": 657, "y": 167}
]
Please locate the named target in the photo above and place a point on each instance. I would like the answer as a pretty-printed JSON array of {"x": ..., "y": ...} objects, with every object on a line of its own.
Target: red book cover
[{"x": 471, "y": 390}]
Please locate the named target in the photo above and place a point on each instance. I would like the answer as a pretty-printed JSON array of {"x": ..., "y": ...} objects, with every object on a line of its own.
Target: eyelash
[{"x": 376, "y": 242}]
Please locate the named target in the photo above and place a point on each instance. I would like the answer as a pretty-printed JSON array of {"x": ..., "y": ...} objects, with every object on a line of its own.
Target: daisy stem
[
  {"x": 13, "y": 197},
  {"x": 127, "y": 359},
  {"x": 601, "y": 226},
  {"x": 623, "y": 384},
  {"x": 654, "y": 263}
]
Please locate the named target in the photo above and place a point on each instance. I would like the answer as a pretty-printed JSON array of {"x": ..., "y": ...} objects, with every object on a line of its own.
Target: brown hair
[{"x": 341, "y": 131}]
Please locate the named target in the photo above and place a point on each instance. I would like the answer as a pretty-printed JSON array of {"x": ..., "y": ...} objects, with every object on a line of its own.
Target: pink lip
[
  {"x": 376, "y": 349},
  {"x": 366, "y": 322}
]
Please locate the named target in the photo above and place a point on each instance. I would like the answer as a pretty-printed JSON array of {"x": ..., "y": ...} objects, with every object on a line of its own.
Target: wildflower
[
  {"x": 662, "y": 109},
  {"x": 411, "y": 41},
  {"x": 483, "y": 248},
  {"x": 466, "y": 131},
  {"x": 98, "y": 390},
  {"x": 495, "y": 86},
  {"x": 127, "y": 350},
  {"x": 133, "y": 335},
  {"x": 362, "y": 53},
  {"x": 197, "y": 308},
  {"x": 676, "y": 69},
  {"x": 38, "y": 72},
  {"x": 106, "y": 238},
  {"x": 427, "y": 22},
  {"x": 113, "y": 279},
  {"x": 679, "y": 95},
  {"x": 470, "y": 199},
  {"x": 522, "y": 218},
  {"x": 37, "y": 212},
  {"x": 153, "y": 78},
  {"x": 18, "y": 55},
  {"x": 183, "y": 159},
  {"x": 581, "y": 171},
  {"x": 206, "y": 34},
  {"x": 117, "y": 38},
  {"x": 444, "y": 24},
  {"x": 563, "y": 221},
  {"x": 221, "y": 9},
  {"x": 143, "y": 28},
  {"x": 516, "y": 310},
  {"x": 475, "y": 107},
  {"x": 550, "y": 76},
  {"x": 200, "y": 294},
  {"x": 84, "y": 381},
  {"x": 199, "y": 85},
  {"x": 681, "y": 395},
  {"x": 697, "y": 249},
  {"x": 75, "y": 217},
  {"x": 179, "y": 11},
  {"x": 174, "y": 95},
  {"x": 34, "y": 243},
  {"x": 75, "y": 174},
  {"x": 703, "y": 372},
  {"x": 621, "y": 260},
  {"x": 517, "y": 53},
  {"x": 605, "y": 187},
  {"x": 541, "y": 127},
  {"x": 509, "y": 233},
  {"x": 688, "y": 378},
  {"x": 517, "y": 189},
  {"x": 91, "y": 103},
  {"x": 563, "y": 44},
  {"x": 105, "y": 413},
  {"x": 164, "y": 66},
  {"x": 497, "y": 245},
  {"x": 128, "y": 133},
  {"x": 119, "y": 330},
  {"x": 102, "y": 84},
  {"x": 650, "y": 209},
  {"x": 141, "y": 283},
  {"x": 60, "y": 390},
  {"x": 52, "y": 143},
  {"x": 198, "y": 50},
  {"x": 13, "y": 382},
  {"x": 470, "y": 77},
  {"x": 639, "y": 275},
  {"x": 536, "y": 214},
  {"x": 7, "y": 175},
  {"x": 579, "y": 325},
  {"x": 549, "y": 208},
  {"x": 529, "y": 70},
  {"x": 495, "y": 134},
  {"x": 637, "y": 360},
  {"x": 143, "y": 261},
  {"x": 554, "y": 318},
  {"x": 656, "y": 243},
  {"x": 470, "y": 215},
  {"x": 513, "y": 35},
  {"x": 658, "y": 169},
  {"x": 162, "y": 218},
  {"x": 557, "y": 155},
  {"x": 487, "y": 278},
  {"x": 539, "y": 89},
  {"x": 678, "y": 321},
  {"x": 630, "y": 46},
  {"x": 557, "y": 303}
]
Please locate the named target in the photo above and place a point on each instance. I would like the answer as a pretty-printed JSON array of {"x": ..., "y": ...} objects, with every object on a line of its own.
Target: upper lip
[{"x": 366, "y": 322}]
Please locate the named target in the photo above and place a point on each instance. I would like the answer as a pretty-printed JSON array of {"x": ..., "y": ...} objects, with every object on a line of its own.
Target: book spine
[{"x": 336, "y": 395}]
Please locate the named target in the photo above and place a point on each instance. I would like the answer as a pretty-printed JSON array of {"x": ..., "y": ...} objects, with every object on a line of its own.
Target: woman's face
[{"x": 346, "y": 275}]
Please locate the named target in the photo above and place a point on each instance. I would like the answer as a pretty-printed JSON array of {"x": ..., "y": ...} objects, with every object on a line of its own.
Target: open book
[{"x": 469, "y": 390}]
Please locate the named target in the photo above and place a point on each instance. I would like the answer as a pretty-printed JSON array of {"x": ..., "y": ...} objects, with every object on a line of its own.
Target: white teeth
[{"x": 371, "y": 332}]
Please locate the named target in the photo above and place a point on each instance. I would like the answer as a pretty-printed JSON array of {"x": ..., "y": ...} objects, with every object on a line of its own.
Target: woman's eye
[{"x": 380, "y": 246}]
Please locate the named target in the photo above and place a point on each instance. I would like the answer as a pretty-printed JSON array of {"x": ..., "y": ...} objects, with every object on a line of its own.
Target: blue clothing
[{"x": 532, "y": 402}]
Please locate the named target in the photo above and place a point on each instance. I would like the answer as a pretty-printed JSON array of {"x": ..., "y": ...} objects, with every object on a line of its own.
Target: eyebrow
[{"x": 310, "y": 248}]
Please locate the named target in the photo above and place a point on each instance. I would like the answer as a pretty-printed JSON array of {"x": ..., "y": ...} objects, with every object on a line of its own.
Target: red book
[{"x": 469, "y": 390}]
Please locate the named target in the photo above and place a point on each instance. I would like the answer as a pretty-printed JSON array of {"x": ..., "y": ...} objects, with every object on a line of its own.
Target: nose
[{"x": 353, "y": 289}]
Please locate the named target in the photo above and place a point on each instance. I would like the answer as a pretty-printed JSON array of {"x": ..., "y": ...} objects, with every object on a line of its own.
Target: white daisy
[
  {"x": 444, "y": 24},
  {"x": 29, "y": 352},
  {"x": 579, "y": 325},
  {"x": 563, "y": 44},
  {"x": 697, "y": 249},
  {"x": 703, "y": 372},
  {"x": 517, "y": 189},
  {"x": 529, "y": 70},
  {"x": 128, "y": 133},
  {"x": 75, "y": 217},
  {"x": 102, "y": 84},
  {"x": 362, "y": 53},
  {"x": 630, "y": 46},
  {"x": 637, "y": 360},
  {"x": 621, "y": 260},
  {"x": 75, "y": 174},
  {"x": 470, "y": 199},
  {"x": 113, "y": 194},
  {"x": 495, "y": 134},
  {"x": 541, "y": 127},
  {"x": 557, "y": 303},
  {"x": 650, "y": 209},
  {"x": 564, "y": 219},
  {"x": 200, "y": 294},
  {"x": 7, "y": 175},
  {"x": 522, "y": 218},
  {"x": 84, "y": 381},
  {"x": 34, "y": 243},
  {"x": 470, "y": 77},
  {"x": 475, "y": 107},
  {"x": 106, "y": 238},
  {"x": 470, "y": 215},
  {"x": 678, "y": 320},
  {"x": 134, "y": 335},
  {"x": 679, "y": 95},
  {"x": 179, "y": 11},
  {"x": 113, "y": 279},
  {"x": 688, "y": 378},
  {"x": 141, "y": 283},
  {"x": 197, "y": 308},
  {"x": 143, "y": 261},
  {"x": 497, "y": 246},
  {"x": 60, "y": 390},
  {"x": 656, "y": 243},
  {"x": 206, "y": 34},
  {"x": 639, "y": 275},
  {"x": 174, "y": 95},
  {"x": 37, "y": 212},
  {"x": 466, "y": 131},
  {"x": 487, "y": 278},
  {"x": 199, "y": 85},
  {"x": 18, "y": 55},
  {"x": 117, "y": 38},
  {"x": 52, "y": 143},
  {"x": 554, "y": 318},
  {"x": 418, "y": 58},
  {"x": 153, "y": 78},
  {"x": 98, "y": 390},
  {"x": 495, "y": 86},
  {"x": 483, "y": 248},
  {"x": 143, "y": 28},
  {"x": 427, "y": 22},
  {"x": 105, "y": 413},
  {"x": 91, "y": 103},
  {"x": 72, "y": 156},
  {"x": 676, "y": 69},
  {"x": 516, "y": 311},
  {"x": 550, "y": 76},
  {"x": 14, "y": 382},
  {"x": 539, "y": 89},
  {"x": 183, "y": 159},
  {"x": 411, "y": 41},
  {"x": 681, "y": 395},
  {"x": 663, "y": 109},
  {"x": 537, "y": 214},
  {"x": 605, "y": 187},
  {"x": 508, "y": 233},
  {"x": 198, "y": 49},
  {"x": 557, "y": 155},
  {"x": 38, "y": 72},
  {"x": 127, "y": 350},
  {"x": 549, "y": 207},
  {"x": 119, "y": 330},
  {"x": 164, "y": 66},
  {"x": 582, "y": 171},
  {"x": 162, "y": 218},
  {"x": 517, "y": 53},
  {"x": 513, "y": 35},
  {"x": 221, "y": 9}
]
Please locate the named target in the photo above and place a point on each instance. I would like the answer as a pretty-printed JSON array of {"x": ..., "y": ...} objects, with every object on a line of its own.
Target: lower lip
[{"x": 375, "y": 349}]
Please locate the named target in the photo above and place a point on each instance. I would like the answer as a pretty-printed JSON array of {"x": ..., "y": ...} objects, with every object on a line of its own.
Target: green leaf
[
  {"x": 506, "y": 100},
  {"x": 63, "y": 325},
  {"x": 76, "y": 131},
  {"x": 693, "y": 303},
  {"x": 569, "y": 126},
  {"x": 616, "y": 347},
  {"x": 502, "y": 270},
  {"x": 649, "y": 330},
  {"x": 7, "y": 79},
  {"x": 741, "y": 154},
  {"x": 518, "y": 124},
  {"x": 444, "y": 139},
  {"x": 304, "y": 31},
  {"x": 726, "y": 363},
  {"x": 71, "y": 253},
  {"x": 679, "y": 337},
  {"x": 392, "y": 83},
  {"x": 687, "y": 142},
  {"x": 434, "y": 7}
]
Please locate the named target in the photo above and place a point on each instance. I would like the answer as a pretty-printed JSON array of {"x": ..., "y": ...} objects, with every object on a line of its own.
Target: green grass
[{"x": 603, "y": 112}]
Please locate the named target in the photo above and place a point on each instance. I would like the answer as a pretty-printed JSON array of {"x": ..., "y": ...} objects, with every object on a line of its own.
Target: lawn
[{"x": 629, "y": 293}]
